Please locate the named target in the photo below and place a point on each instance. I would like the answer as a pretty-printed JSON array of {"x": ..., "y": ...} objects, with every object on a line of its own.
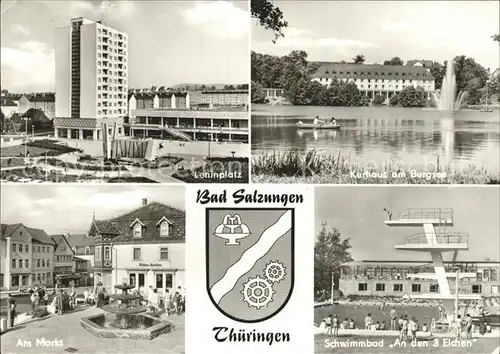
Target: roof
[
  {"x": 80, "y": 240},
  {"x": 164, "y": 94},
  {"x": 425, "y": 63},
  {"x": 7, "y": 229},
  {"x": 224, "y": 92},
  {"x": 372, "y": 71},
  {"x": 7, "y": 102},
  {"x": 60, "y": 238},
  {"x": 43, "y": 98},
  {"x": 80, "y": 259},
  {"x": 40, "y": 236},
  {"x": 104, "y": 227},
  {"x": 149, "y": 215}
]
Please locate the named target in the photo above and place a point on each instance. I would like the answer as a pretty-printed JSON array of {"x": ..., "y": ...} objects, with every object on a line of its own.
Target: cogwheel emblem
[
  {"x": 257, "y": 292},
  {"x": 274, "y": 271}
]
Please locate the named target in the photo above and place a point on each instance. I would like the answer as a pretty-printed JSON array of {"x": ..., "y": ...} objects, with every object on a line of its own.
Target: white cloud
[
  {"x": 21, "y": 29},
  {"x": 95, "y": 10},
  {"x": 219, "y": 19},
  {"x": 392, "y": 26},
  {"x": 302, "y": 38},
  {"x": 32, "y": 62}
]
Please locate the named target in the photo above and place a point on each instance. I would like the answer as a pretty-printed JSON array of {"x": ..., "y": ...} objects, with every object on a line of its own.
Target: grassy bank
[{"x": 294, "y": 167}]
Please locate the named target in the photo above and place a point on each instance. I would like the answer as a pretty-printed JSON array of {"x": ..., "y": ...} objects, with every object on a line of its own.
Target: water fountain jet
[{"x": 445, "y": 98}]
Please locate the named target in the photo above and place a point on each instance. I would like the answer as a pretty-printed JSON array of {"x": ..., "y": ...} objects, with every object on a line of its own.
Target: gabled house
[
  {"x": 144, "y": 247},
  {"x": 64, "y": 264},
  {"x": 25, "y": 257}
]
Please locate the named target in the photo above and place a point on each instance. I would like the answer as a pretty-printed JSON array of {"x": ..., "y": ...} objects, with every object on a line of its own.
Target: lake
[{"x": 410, "y": 137}]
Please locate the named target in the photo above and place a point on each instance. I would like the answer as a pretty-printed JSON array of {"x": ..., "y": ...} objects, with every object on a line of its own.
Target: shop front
[{"x": 151, "y": 274}]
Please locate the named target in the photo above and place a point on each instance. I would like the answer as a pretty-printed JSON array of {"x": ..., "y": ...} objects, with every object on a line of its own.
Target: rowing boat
[{"x": 302, "y": 125}]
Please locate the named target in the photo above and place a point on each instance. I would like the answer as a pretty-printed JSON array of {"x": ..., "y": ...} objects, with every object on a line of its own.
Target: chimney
[{"x": 144, "y": 201}]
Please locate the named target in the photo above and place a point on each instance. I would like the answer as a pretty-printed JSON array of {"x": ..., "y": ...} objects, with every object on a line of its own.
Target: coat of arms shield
[{"x": 250, "y": 261}]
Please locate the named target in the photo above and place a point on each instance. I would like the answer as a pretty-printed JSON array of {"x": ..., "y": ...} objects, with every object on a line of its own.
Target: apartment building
[{"x": 91, "y": 79}]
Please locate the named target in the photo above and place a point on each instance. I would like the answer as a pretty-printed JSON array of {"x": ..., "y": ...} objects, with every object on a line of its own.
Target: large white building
[
  {"x": 91, "y": 79},
  {"x": 374, "y": 79}
]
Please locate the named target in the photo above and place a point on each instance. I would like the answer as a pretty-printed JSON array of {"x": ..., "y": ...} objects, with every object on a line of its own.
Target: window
[
  {"x": 476, "y": 289},
  {"x": 13, "y": 247},
  {"x": 38, "y": 249},
  {"x": 48, "y": 263},
  {"x": 415, "y": 288},
  {"x": 398, "y": 288},
  {"x": 362, "y": 287},
  {"x": 20, "y": 248},
  {"x": 38, "y": 263},
  {"x": 14, "y": 264},
  {"x": 434, "y": 288},
  {"x": 87, "y": 250},
  {"x": 98, "y": 253},
  {"x": 137, "y": 230},
  {"x": 137, "y": 254},
  {"x": 380, "y": 287},
  {"x": 20, "y": 263},
  {"x": 107, "y": 253},
  {"x": 26, "y": 263},
  {"x": 43, "y": 262},
  {"x": 164, "y": 229},
  {"x": 164, "y": 254}
]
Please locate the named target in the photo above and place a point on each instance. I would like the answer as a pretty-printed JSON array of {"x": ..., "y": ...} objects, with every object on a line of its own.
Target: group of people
[
  {"x": 171, "y": 302},
  {"x": 39, "y": 296},
  {"x": 318, "y": 121},
  {"x": 332, "y": 324}
]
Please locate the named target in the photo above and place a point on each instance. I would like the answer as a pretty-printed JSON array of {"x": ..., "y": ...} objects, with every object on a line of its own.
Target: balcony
[
  {"x": 421, "y": 216},
  {"x": 435, "y": 242}
]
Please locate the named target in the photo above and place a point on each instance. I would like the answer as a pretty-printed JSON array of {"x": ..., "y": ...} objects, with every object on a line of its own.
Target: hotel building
[
  {"x": 26, "y": 257},
  {"x": 371, "y": 80},
  {"x": 91, "y": 79},
  {"x": 393, "y": 278},
  {"x": 145, "y": 247}
]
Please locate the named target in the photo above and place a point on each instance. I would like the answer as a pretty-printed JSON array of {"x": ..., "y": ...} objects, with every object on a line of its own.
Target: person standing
[
  {"x": 394, "y": 316},
  {"x": 468, "y": 327},
  {"x": 335, "y": 326},
  {"x": 12, "y": 309}
]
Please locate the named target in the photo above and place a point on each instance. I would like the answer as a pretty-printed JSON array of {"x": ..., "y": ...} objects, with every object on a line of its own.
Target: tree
[
  {"x": 496, "y": 37},
  {"x": 213, "y": 88},
  {"x": 257, "y": 93},
  {"x": 228, "y": 87},
  {"x": 412, "y": 97},
  {"x": 394, "y": 61},
  {"x": 394, "y": 100},
  {"x": 331, "y": 250},
  {"x": 359, "y": 59},
  {"x": 438, "y": 71},
  {"x": 269, "y": 16}
]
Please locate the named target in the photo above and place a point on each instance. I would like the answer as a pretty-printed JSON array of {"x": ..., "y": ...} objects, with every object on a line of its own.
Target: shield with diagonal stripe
[{"x": 250, "y": 261}]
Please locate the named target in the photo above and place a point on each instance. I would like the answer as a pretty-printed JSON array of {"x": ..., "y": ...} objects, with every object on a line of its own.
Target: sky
[
  {"x": 170, "y": 42},
  {"x": 69, "y": 209},
  {"x": 380, "y": 30},
  {"x": 357, "y": 212}
]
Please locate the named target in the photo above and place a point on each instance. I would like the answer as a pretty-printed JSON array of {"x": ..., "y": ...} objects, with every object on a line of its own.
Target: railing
[
  {"x": 441, "y": 239},
  {"x": 444, "y": 214}
]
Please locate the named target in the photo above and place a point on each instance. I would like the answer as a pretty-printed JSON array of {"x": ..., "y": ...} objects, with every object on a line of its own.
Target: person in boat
[
  {"x": 333, "y": 121},
  {"x": 316, "y": 120}
]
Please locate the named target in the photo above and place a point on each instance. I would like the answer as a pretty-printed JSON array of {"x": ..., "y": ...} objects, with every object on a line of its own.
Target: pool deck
[{"x": 69, "y": 336}]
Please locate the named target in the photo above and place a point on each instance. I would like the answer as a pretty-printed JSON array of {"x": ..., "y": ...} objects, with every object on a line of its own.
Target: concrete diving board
[
  {"x": 441, "y": 247},
  {"x": 419, "y": 222},
  {"x": 434, "y": 276},
  {"x": 447, "y": 297}
]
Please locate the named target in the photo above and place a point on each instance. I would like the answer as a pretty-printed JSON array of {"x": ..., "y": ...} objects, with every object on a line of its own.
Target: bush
[
  {"x": 378, "y": 100},
  {"x": 52, "y": 145},
  {"x": 394, "y": 100}
]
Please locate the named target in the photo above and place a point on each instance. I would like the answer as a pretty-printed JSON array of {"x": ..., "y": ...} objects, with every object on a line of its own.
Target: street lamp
[
  {"x": 26, "y": 139},
  {"x": 32, "y": 131}
]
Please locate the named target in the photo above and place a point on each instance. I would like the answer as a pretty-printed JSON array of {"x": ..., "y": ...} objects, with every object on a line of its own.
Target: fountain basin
[
  {"x": 152, "y": 327},
  {"x": 123, "y": 311}
]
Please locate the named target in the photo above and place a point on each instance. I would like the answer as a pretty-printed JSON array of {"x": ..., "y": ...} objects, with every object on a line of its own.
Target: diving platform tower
[{"x": 436, "y": 243}]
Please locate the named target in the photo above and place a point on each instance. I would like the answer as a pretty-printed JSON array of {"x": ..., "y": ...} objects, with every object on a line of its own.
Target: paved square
[{"x": 74, "y": 339}]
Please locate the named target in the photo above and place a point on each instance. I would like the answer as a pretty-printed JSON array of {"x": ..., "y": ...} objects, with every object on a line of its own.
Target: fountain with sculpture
[
  {"x": 125, "y": 318},
  {"x": 445, "y": 98}
]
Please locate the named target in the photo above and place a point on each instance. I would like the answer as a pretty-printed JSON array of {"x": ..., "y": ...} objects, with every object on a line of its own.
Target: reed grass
[{"x": 314, "y": 168}]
